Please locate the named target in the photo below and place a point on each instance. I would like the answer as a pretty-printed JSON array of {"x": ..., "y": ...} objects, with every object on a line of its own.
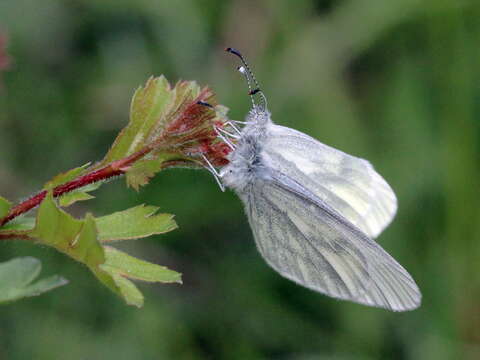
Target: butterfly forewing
[{"x": 348, "y": 184}]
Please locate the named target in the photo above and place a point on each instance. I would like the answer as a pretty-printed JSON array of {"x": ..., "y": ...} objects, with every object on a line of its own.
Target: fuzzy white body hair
[{"x": 246, "y": 161}]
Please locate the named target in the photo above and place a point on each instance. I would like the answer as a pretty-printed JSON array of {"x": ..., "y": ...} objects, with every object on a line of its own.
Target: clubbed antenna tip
[
  {"x": 251, "y": 80},
  {"x": 234, "y": 51}
]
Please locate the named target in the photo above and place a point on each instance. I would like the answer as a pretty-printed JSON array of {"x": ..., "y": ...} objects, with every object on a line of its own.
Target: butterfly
[{"x": 314, "y": 210}]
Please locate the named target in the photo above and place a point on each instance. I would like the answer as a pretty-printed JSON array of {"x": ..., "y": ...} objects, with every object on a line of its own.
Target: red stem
[
  {"x": 15, "y": 235},
  {"x": 115, "y": 168}
]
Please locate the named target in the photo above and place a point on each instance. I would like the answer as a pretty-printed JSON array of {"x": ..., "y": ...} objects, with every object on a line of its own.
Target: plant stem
[
  {"x": 115, "y": 168},
  {"x": 15, "y": 235}
]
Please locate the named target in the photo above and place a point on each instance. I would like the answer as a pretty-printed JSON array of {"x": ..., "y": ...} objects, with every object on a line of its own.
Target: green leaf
[
  {"x": 66, "y": 177},
  {"x": 128, "y": 290},
  {"x": 128, "y": 266},
  {"x": 142, "y": 171},
  {"x": 17, "y": 275},
  {"x": 20, "y": 227},
  {"x": 121, "y": 266},
  {"x": 80, "y": 240},
  {"x": 5, "y": 206},
  {"x": 21, "y": 223},
  {"x": 80, "y": 194},
  {"x": 147, "y": 110},
  {"x": 55, "y": 227},
  {"x": 137, "y": 222},
  {"x": 74, "y": 196},
  {"x": 86, "y": 247},
  {"x": 76, "y": 238}
]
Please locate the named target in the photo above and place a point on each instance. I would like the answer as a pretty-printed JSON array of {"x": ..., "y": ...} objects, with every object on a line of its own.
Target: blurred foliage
[
  {"x": 394, "y": 82},
  {"x": 16, "y": 278}
]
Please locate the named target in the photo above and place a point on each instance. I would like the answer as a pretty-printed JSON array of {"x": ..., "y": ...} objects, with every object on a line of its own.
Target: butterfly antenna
[{"x": 247, "y": 72}]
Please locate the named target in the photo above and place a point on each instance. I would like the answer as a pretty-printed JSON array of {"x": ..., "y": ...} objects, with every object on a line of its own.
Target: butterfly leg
[
  {"x": 227, "y": 133},
  {"x": 224, "y": 138},
  {"x": 232, "y": 125},
  {"x": 238, "y": 122},
  {"x": 214, "y": 172}
]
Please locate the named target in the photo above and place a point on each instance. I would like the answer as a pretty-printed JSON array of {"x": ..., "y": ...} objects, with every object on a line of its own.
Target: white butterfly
[{"x": 314, "y": 211}]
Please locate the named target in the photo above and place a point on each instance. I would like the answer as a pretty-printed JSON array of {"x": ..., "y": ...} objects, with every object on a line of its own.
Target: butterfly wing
[
  {"x": 310, "y": 243},
  {"x": 348, "y": 184}
]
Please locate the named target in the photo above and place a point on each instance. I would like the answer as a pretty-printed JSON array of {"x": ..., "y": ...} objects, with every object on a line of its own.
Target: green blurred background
[{"x": 396, "y": 82}]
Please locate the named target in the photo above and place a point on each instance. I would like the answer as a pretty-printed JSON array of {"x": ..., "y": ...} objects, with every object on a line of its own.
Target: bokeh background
[{"x": 396, "y": 82}]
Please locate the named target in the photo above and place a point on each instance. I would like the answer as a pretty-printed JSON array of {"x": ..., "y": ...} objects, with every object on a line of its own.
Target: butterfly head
[{"x": 245, "y": 162}]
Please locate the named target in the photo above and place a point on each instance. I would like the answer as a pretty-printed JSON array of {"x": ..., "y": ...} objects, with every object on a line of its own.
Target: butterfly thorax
[{"x": 246, "y": 161}]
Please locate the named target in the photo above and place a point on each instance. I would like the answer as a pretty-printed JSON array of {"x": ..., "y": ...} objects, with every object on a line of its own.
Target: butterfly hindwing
[{"x": 310, "y": 243}]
